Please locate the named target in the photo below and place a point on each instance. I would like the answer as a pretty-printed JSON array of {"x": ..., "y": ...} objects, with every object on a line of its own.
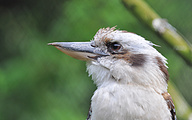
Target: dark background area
[{"x": 38, "y": 82}]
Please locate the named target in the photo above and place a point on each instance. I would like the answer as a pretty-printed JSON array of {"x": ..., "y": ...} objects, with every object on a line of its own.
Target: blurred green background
[{"x": 38, "y": 82}]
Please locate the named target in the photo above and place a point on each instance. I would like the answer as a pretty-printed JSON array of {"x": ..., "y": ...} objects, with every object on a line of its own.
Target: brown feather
[
  {"x": 163, "y": 68},
  {"x": 170, "y": 104}
]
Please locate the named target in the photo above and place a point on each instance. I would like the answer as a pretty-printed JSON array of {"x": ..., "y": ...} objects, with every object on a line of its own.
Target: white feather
[{"x": 126, "y": 92}]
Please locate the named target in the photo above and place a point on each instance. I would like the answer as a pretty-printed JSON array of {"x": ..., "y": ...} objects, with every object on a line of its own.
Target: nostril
[{"x": 93, "y": 44}]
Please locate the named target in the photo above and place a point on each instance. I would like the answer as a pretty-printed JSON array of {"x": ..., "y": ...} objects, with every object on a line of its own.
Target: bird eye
[{"x": 113, "y": 47}]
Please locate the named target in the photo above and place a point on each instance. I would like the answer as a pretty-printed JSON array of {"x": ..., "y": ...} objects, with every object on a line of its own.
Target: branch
[{"x": 146, "y": 15}]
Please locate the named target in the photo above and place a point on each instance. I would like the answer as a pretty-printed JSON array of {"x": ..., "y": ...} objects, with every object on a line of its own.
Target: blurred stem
[
  {"x": 183, "y": 109},
  {"x": 147, "y": 15}
]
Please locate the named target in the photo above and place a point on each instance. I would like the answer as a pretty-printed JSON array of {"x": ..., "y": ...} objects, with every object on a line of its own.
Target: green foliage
[{"x": 38, "y": 82}]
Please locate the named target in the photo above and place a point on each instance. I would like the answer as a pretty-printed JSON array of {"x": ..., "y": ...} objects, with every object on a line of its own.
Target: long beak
[{"x": 79, "y": 50}]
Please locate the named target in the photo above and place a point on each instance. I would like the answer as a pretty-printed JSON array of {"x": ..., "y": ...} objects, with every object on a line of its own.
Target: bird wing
[
  {"x": 170, "y": 104},
  {"x": 89, "y": 114}
]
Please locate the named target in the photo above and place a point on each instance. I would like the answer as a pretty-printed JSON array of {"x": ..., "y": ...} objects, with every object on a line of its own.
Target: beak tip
[
  {"x": 53, "y": 44},
  {"x": 50, "y": 44}
]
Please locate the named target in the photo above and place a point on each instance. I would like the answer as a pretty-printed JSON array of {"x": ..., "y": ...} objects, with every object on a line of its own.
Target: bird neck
[{"x": 147, "y": 76}]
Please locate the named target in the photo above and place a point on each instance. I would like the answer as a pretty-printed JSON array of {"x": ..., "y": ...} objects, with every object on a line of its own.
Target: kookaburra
[{"x": 131, "y": 76}]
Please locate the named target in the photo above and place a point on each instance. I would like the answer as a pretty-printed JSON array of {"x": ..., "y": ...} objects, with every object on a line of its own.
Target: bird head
[{"x": 120, "y": 57}]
